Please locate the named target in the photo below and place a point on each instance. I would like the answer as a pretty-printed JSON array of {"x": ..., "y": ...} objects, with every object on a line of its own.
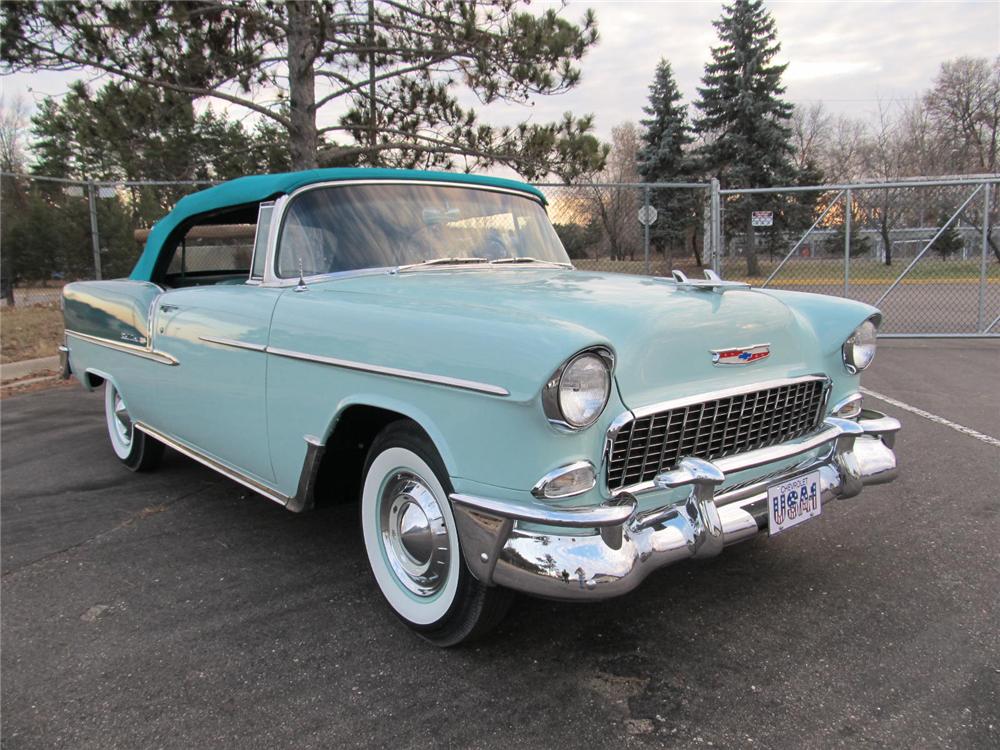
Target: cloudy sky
[{"x": 848, "y": 53}]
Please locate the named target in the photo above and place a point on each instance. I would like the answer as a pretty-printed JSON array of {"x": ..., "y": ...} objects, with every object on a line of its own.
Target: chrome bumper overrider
[
  {"x": 64, "y": 368},
  {"x": 622, "y": 545}
]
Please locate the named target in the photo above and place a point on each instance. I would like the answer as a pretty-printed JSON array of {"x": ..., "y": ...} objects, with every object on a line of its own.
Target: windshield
[{"x": 388, "y": 225}]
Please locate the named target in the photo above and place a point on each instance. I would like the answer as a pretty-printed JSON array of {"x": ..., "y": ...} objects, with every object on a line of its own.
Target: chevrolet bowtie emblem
[{"x": 743, "y": 356}]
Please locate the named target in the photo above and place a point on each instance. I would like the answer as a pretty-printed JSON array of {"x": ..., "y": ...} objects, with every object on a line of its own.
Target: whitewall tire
[
  {"x": 134, "y": 448},
  {"x": 412, "y": 541}
]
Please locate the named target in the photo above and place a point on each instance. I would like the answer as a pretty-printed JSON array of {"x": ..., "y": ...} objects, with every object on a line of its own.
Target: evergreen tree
[
  {"x": 126, "y": 132},
  {"x": 393, "y": 71},
  {"x": 744, "y": 120},
  {"x": 950, "y": 242},
  {"x": 663, "y": 158},
  {"x": 834, "y": 244}
]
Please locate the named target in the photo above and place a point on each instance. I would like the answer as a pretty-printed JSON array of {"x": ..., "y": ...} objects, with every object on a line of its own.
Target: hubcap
[
  {"x": 123, "y": 422},
  {"x": 414, "y": 534}
]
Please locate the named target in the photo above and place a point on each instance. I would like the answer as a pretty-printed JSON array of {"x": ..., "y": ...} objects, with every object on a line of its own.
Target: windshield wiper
[
  {"x": 528, "y": 259},
  {"x": 441, "y": 262}
]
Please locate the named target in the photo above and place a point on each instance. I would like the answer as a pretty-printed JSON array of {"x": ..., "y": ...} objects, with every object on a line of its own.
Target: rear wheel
[
  {"x": 412, "y": 542},
  {"x": 134, "y": 448}
]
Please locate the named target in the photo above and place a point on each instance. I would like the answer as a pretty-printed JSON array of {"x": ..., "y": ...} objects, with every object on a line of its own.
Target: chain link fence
[
  {"x": 53, "y": 231},
  {"x": 638, "y": 229},
  {"x": 926, "y": 252}
]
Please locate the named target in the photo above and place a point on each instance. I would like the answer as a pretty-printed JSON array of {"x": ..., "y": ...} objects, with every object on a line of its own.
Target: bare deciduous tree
[
  {"x": 616, "y": 207},
  {"x": 965, "y": 102},
  {"x": 13, "y": 133},
  {"x": 811, "y": 129}
]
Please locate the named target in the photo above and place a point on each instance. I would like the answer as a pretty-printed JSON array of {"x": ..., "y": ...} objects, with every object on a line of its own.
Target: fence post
[
  {"x": 981, "y": 317},
  {"x": 95, "y": 237},
  {"x": 645, "y": 226},
  {"x": 848, "y": 216},
  {"x": 716, "y": 211}
]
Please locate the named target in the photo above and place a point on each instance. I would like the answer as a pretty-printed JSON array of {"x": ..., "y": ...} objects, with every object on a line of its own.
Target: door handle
[{"x": 168, "y": 308}]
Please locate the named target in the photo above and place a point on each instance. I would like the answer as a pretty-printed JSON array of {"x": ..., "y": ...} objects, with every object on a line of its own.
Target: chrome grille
[{"x": 647, "y": 445}]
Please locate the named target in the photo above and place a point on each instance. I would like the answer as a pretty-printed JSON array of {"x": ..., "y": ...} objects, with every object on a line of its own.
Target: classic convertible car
[{"x": 421, "y": 342}]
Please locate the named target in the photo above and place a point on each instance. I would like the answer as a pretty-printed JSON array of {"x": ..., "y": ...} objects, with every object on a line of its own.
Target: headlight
[
  {"x": 577, "y": 393},
  {"x": 859, "y": 349}
]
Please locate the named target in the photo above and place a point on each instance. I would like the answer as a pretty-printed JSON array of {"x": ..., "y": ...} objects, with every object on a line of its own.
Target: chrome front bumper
[{"x": 617, "y": 545}]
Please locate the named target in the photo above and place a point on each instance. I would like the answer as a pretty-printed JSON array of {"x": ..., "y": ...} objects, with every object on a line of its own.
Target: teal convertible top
[{"x": 257, "y": 188}]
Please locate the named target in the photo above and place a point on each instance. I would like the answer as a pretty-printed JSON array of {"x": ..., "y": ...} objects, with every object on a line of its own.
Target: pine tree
[
  {"x": 834, "y": 244},
  {"x": 663, "y": 158},
  {"x": 744, "y": 120},
  {"x": 950, "y": 241},
  {"x": 388, "y": 75}
]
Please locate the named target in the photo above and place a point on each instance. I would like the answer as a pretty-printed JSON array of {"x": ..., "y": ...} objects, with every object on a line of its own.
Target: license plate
[{"x": 792, "y": 502}]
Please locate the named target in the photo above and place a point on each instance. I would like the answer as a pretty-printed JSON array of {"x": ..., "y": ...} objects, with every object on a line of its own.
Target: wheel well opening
[
  {"x": 93, "y": 381},
  {"x": 338, "y": 479}
]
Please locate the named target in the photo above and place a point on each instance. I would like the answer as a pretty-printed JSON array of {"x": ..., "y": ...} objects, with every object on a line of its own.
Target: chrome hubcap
[
  {"x": 414, "y": 534},
  {"x": 123, "y": 422}
]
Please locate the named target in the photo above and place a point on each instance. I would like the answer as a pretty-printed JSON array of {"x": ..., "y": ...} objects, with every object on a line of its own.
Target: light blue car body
[{"x": 209, "y": 366}]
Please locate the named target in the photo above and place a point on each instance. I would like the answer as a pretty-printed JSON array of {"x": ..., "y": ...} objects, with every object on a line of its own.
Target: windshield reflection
[{"x": 352, "y": 227}]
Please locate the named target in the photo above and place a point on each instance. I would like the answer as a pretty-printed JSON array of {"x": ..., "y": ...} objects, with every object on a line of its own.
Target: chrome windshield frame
[{"x": 282, "y": 204}]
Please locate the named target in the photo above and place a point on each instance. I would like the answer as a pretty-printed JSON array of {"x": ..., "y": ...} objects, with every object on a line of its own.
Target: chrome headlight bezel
[
  {"x": 853, "y": 350},
  {"x": 552, "y": 390}
]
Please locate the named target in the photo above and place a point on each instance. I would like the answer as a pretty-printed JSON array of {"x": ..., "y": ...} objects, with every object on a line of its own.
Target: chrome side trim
[
  {"x": 588, "y": 517},
  {"x": 234, "y": 343},
  {"x": 468, "y": 385},
  {"x": 249, "y": 482},
  {"x": 151, "y": 354}
]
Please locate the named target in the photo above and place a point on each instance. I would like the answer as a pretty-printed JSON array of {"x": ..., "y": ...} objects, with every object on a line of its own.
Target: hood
[{"x": 514, "y": 327}]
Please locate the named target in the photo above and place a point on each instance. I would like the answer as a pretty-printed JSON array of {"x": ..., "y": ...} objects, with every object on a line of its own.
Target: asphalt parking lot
[{"x": 177, "y": 610}]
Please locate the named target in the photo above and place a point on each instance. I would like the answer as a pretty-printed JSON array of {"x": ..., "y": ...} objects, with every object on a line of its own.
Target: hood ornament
[
  {"x": 741, "y": 356},
  {"x": 712, "y": 282}
]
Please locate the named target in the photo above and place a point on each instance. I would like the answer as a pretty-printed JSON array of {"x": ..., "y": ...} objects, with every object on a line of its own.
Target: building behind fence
[{"x": 927, "y": 252}]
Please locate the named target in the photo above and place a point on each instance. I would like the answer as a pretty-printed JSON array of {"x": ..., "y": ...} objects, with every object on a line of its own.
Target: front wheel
[
  {"x": 412, "y": 542},
  {"x": 134, "y": 448}
]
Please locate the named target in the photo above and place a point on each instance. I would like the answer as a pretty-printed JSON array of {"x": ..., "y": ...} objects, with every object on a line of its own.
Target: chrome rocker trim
[
  {"x": 630, "y": 544},
  {"x": 226, "y": 471},
  {"x": 302, "y": 500}
]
